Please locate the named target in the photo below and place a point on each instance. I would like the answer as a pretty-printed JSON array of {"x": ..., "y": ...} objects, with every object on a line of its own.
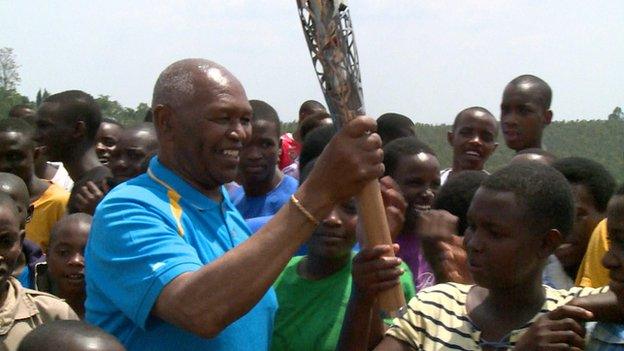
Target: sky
[{"x": 425, "y": 59}]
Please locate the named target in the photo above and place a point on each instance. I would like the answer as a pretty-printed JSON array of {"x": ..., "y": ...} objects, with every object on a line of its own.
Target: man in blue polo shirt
[{"x": 170, "y": 264}]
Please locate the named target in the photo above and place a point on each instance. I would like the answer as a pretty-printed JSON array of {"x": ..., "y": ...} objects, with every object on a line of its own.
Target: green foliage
[
  {"x": 8, "y": 99},
  {"x": 616, "y": 114},
  {"x": 125, "y": 115},
  {"x": 600, "y": 140},
  {"x": 9, "y": 76}
]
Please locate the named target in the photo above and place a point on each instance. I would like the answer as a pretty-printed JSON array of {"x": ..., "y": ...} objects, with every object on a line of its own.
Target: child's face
[
  {"x": 613, "y": 260},
  {"x": 587, "y": 217},
  {"x": 418, "y": 176},
  {"x": 10, "y": 242},
  {"x": 106, "y": 140},
  {"x": 16, "y": 155},
  {"x": 473, "y": 139},
  {"x": 335, "y": 237},
  {"x": 523, "y": 118},
  {"x": 66, "y": 257},
  {"x": 502, "y": 250}
]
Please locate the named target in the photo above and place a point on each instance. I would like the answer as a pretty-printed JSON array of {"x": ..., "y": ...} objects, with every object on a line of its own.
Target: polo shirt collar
[{"x": 186, "y": 191}]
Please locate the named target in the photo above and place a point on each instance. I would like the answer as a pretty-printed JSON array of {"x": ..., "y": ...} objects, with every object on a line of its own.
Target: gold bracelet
[{"x": 302, "y": 209}]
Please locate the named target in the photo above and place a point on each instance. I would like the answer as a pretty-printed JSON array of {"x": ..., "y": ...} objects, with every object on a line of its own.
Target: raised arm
[{"x": 209, "y": 299}]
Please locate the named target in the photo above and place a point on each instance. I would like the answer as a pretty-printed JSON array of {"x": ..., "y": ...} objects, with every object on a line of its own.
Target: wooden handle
[{"x": 372, "y": 213}]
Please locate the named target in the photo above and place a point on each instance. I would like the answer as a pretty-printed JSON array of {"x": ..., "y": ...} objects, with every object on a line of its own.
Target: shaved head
[
  {"x": 538, "y": 88},
  {"x": 70, "y": 336}
]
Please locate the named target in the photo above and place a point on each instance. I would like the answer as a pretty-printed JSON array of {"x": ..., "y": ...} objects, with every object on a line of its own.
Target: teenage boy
[
  {"x": 265, "y": 189},
  {"x": 69, "y": 336},
  {"x": 473, "y": 139},
  {"x": 313, "y": 290},
  {"x": 517, "y": 218},
  {"x": 106, "y": 138},
  {"x": 17, "y": 154},
  {"x": 525, "y": 112},
  {"x": 66, "y": 124},
  {"x": 22, "y": 309},
  {"x": 63, "y": 273}
]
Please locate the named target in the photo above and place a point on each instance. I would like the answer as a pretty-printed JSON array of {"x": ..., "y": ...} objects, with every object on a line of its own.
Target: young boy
[
  {"x": 17, "y": 154},
  {"x": 264, "y": 187},
  {"x": 69, "y": 336},
  {"x": 516, "y": 219},
  {"x": 63, "y": 273},
  {"x": 525, "y": 112},
  {"x": 313, "y": 290},
  {"x": 415, "y": 168},
  {"x": 608, "y": 336},
  {"x": 473, "y": 139},
  {"x": 592, "y": 187},
  {"x": 22, "y": 310}
]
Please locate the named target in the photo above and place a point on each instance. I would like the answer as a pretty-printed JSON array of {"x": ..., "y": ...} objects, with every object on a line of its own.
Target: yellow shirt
[
  {"x": 49, "y": 208},
  {"x": 24, "y": 310},
  {"x": 591, "y": 273}
]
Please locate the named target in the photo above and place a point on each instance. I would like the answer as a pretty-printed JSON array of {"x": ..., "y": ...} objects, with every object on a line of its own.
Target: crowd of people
[{"x": 207, "y": 228}]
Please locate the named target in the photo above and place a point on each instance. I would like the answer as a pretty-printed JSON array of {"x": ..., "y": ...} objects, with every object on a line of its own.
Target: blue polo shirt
[{"x": 145, "y": 233}]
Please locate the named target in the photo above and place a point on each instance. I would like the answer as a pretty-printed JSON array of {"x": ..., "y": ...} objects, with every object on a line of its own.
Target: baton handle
[{"x": 372, "y": 213}]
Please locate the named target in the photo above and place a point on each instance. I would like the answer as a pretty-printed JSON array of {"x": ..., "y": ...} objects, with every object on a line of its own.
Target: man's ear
[
  {"x": 449, "y": 137},
  {"x": 29, "y": 212},
  {"x": 550, "y": 241},
  {"x": 162, "y": 117},
  {"x": 80, "y": 129},
  {"x": 548, "y": 117}
]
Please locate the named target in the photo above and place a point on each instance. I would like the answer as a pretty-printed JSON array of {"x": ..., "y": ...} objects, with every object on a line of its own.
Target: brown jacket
[{"x": 24, "y": 310}]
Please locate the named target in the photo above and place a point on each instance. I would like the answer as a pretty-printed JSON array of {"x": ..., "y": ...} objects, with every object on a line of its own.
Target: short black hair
[
  {"x": 262, "y": 111},
  {"x": 76, "y": 105},
  {"x": 543, "y": 191},
  {"x": 457, "y": 193},
  {"x": 542, "y": 89},
  {"x": 470, "y": 109},
  {"x": 59, "y": 227},
  {"x": 310, "y": 106},
  {"x": 406, "y": 146},
  {"x": 19, "y": 125},
  {"x": 68, "y": 334},
  {"x": 591, "y": 174},
  {"x": 620, "y": 190},
  {"x": 305, "y": 171},
  {"x": 315, "y": 143},
  {"x": 392, "y": 126},
  {"x": 312, "y": 122}
]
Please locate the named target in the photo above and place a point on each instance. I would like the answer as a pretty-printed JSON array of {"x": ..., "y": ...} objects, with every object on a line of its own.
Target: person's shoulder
[
  {"x": 56, "y": 193},
  {"x": 445, "y": 293},
  {"x": 141, "y": 189},
  {"x": 290, "y": 182},
  {"x": 558, "y": 297},
  {"x": 289, "y": 275},
  {"x": 49, "y": 306}
]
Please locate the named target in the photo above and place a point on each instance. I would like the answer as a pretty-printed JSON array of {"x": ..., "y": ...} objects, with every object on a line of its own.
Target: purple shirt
[{"x": 411, "y": 253}]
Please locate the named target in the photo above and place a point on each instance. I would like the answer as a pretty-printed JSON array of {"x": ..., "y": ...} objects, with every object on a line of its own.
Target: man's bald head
[
  {"x": 537, "y": 87},
  {"x": 186, "y": 80}
]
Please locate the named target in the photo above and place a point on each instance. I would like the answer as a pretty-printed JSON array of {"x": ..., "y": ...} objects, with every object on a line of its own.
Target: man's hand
[
  {"x": 560, "y": 329},
  {"x": 90, "y": 195}
]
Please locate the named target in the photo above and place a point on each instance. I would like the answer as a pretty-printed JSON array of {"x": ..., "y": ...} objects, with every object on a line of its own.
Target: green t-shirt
[{"x": 310, "y": 312}]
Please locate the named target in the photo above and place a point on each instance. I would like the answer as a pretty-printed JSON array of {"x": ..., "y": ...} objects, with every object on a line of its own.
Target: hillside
[{"x": 601, "y": 140}]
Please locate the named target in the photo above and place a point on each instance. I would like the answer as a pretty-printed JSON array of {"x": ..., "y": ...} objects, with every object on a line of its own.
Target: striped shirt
[{"x": 437, "y": 319}]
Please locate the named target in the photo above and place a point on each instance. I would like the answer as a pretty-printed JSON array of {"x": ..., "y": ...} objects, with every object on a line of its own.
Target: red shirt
[{"x": 290, "y": 150}]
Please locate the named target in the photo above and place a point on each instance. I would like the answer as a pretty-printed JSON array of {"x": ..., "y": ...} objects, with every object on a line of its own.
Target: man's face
[
  {"x": 418, "y": 177},
  {"x": 10, "y": 242},
  {"x": 17, "y": 155},
  {"x": 53, "y": 131},
  {"x": 260, "y": 155},
  {"x": 335, "y": 237},
  {"x": 66, "y": 257},
  {"x": 502, "y": 250},
  {"x": 132, "y": 150},
  {"x": 473, "y": 140},
  {"x": 106, "y": 139},
  {"x": 613, "y": 260},
  {"x": 207, "y": 136},
  {"x": 523, "y": 117},
  {"x": 587, "y": 217}
]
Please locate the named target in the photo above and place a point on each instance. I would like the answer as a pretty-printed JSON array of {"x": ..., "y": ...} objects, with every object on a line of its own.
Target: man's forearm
[{"x": 604, "y": 307}]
